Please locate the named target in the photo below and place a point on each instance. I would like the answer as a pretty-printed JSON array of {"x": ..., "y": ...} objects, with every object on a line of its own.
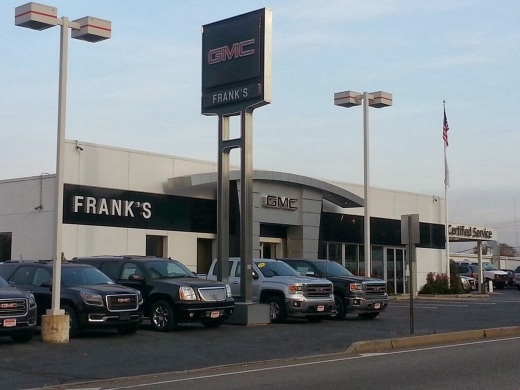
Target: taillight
[{"x": 472, "y": 275}]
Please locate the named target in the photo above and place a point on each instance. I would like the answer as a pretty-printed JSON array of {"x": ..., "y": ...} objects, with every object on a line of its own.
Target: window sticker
[{"x": 260, "y": 265}]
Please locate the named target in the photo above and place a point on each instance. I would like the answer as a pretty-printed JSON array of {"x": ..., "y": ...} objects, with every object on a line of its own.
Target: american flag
[{"x": 445, "y": 129}]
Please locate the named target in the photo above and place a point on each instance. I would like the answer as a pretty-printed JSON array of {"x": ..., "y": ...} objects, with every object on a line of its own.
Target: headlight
[
  {"x": 296, "y": 289},
  {"x": 32, "y": 300},
  {"x": 91, "y": 299},
  {"x": 356, "y": 287},
  {"x": 187, "y": 293},
  {"x": 228, "y": 291}
]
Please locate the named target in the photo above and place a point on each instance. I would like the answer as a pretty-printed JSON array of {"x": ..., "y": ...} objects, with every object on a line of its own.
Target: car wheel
[
  {"x": 212, "y": 323},
  {"x": 161, "y": 317},
  {"x": 369, "y": 316},
  {"x": 127, "y": 329},
  {"x": 338, "y": 311},
  {"x": 277, "y": 309},
  {"x": 73, "y": 321},
  {"x": 22, "y": 338}
]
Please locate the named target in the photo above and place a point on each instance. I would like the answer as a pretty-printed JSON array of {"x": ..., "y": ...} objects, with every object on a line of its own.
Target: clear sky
[{"x": 141, "y": 90}]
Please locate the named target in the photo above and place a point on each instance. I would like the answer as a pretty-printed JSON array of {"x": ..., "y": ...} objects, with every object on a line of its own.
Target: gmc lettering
[{"x": 237, "y": 50}]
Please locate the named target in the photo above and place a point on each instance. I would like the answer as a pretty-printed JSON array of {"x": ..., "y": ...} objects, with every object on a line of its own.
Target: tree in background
[{"x": 505, "y": 250}]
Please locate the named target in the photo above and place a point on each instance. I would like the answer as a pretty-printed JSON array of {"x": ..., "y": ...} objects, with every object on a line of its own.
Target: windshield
[
  {"x": 83, "y": 276},
  {"x": 167, "y": 269},
  {"x": 488, "y": 266},
  {"x": 3, "y": 283},
  {"x": 331, "y": 268},
  {"x": 275, "y": 268}
]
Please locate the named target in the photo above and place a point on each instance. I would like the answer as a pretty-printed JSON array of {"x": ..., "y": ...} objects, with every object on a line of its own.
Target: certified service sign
[{"x": 236, "y": 63}]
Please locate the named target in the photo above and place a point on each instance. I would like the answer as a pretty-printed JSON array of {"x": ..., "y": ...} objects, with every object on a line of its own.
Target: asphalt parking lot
[{"x": 105, "y": 355}]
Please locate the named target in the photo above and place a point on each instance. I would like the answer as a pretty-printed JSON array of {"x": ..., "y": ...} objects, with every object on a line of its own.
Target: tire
[
  {"x": 127, "y": 329},
  {"x": 315, "y": 318},
  {"x": 499, "y": 286},
  {"x": 73, "y": 321},
  {"x": 338, "y": 312},
  {"x": 22, "y": 338},
  {"x": 277, "y": 308},
  {"x": 518, "y": 287},
  {"x": 212, "y": 323},
  {"x": 162, "y": 317},
  {"x": 369, "y": 316}
]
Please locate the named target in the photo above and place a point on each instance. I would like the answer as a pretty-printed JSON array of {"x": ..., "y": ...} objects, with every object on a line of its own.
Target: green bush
[{"x": 438, "y": 283}]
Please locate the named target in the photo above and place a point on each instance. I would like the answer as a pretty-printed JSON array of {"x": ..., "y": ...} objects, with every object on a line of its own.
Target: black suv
[
  {"x": 17, "y": 313},
  {"x": 89, "y": 297},
  {"x": 172, "y": 293},
  {"x": 360, "y": 295}
]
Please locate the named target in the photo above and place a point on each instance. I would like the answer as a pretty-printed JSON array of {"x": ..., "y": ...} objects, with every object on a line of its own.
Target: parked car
[
  {"x": 172, "y": 293},
  {"x": 286, "y": 292},
  {"x": 490, "y": 272},
  {"x": 88, "y": 296},
  {"x": 360, "y": 295},
  {"x": 510, "y": 277},
  {"x": 517, "y": 277},
  {"x": 17, "y": 313},
  {"x": 468, "y": 283}
]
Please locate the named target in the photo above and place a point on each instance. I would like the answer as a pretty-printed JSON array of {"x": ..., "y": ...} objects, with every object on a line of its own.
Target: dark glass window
[
  {"x": 5, "y": 246},
  {"x": 112, "y": 269},
  {"x": 23, "y": 276}
]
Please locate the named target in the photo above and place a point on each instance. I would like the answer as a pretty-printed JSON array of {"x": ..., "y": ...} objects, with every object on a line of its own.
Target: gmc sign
[{"x": 236, "y": 63}]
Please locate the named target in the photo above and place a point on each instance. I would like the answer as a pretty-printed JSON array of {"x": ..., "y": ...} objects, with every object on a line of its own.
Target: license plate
[
  {"x": 215, "y": 314},
  {"x": 10, "y": 323},
  {"x": 124, "y": 316},
  {"x": 377, "y": 305},
  {"x": 321, "y": 308}
]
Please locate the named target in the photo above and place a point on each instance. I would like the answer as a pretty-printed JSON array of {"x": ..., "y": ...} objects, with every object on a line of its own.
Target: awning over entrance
[{"x": 204, "y": 185}]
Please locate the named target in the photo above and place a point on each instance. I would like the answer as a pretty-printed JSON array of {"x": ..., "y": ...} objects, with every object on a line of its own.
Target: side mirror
[
  {"x": 46, "y": 284},
  {"x": 135, "y": 278},
  {"x": 254, "y": 275},
  {"x": 310, "y": 273}
]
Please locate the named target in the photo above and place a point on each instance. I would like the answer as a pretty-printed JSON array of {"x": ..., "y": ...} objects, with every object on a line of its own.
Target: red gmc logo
[
  {"x": 123, "y": 300},
  {"x": 8, "y": 305},
  {"x": 237, "y": 50}
]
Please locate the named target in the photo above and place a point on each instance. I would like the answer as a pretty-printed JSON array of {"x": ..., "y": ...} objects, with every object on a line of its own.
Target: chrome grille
[
  {"x": 122, "y": 302},
  {"x": 317, "y": 290},
  {"x": 213, "y": 293},
  {"x": 13, "y": 307},
  {"x": 375, "y": 288}
]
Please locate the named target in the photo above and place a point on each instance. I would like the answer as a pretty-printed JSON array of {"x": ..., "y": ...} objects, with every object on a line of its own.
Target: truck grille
[
  {"x": 122, "y": 302},
  {"x": 210, "y": 294},
  {"x": 317, "y": 290},
  {"x": 375, "y": 288},
  {"x": 13, "y": 307}
]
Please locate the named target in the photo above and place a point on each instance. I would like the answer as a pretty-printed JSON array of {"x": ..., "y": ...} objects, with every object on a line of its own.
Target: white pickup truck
[{"x": 279, "y": 285}]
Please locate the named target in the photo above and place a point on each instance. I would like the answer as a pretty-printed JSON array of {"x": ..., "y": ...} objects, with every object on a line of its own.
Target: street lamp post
[
  {"x": 378, "y": 99},
  {"x": 55, "y": 324}
]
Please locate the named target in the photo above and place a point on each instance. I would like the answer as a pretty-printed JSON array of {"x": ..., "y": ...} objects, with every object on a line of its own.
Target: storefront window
[
  {"x": 377, "y": 262},
  {"x": 334, "y": 252},
  {"x": 351, "y": 258}
]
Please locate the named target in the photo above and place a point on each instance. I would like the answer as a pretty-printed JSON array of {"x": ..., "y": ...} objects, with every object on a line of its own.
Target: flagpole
[{"x": 446, "y": 179}]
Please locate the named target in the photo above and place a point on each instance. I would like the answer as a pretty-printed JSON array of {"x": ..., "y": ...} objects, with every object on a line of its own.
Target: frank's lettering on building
[{"x": 115, "y": 207}]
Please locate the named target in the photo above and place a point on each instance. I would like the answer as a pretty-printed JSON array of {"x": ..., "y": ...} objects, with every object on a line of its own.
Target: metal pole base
[
  {"x": 250, "y": 314},
  {"x": 55, "y": 329}
]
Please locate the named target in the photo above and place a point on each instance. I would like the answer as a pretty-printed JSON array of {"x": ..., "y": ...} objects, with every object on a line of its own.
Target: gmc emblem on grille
[
  {"x": 123, "y": 300},
  {"x": 213, "y": 293},
  {"x": 8, "y": 305},
  {"x": 320, "y": 289}
]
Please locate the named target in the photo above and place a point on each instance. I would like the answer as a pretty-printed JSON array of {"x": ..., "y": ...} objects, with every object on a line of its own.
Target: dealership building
[{"x": 119, "y": 201}]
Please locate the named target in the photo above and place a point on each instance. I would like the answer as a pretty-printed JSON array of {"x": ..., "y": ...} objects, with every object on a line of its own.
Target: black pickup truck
[
  {"x": 360, "y": 295},
  {"x": 172, "y": 293}
]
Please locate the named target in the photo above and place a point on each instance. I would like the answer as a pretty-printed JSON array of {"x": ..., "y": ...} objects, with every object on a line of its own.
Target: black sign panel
[
  {"x": 83, "y": 205},
  {"x": 234, "y": 56}
]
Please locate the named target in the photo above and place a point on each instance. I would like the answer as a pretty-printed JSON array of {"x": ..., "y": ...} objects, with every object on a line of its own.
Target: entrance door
[
  {"x": 395, "y": 271},
  {"x": 271, "y": 248}
]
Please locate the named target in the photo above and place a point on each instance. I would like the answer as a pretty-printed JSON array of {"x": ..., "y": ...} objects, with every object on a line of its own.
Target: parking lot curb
[
  {"x": 437, "y": 296},
  {"x": 431, "y": 339}
]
